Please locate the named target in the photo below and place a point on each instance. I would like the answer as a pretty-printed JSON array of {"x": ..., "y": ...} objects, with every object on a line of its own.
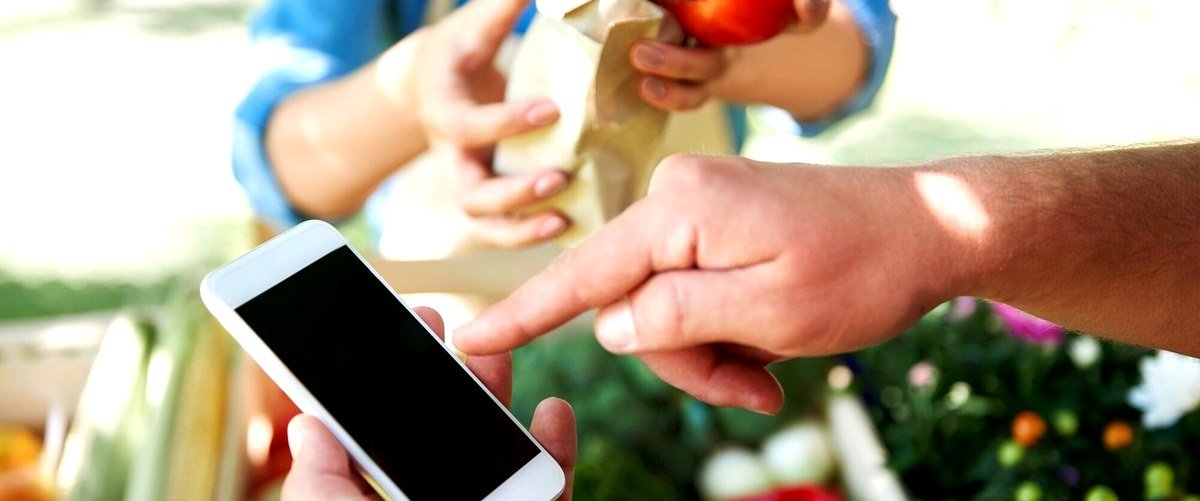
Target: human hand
[
  {"x": 684, "y": 78},
  {"x": 730, "y": 264},
  {"x": 321, "y": 468},
  {"x": 460, "y": 96}
]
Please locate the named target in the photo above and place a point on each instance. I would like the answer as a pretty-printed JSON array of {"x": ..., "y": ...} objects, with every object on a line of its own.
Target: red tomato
[
  {"x": 731, "y": 22},
  {"x": 796, "y": 493}
]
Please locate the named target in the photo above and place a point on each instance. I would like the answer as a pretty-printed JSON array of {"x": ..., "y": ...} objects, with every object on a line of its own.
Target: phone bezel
[{"x": 232, "y": 285}]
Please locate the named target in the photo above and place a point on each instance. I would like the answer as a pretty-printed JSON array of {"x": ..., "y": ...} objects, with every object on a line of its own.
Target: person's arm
[
  {"x": 731, "y": 264},
  {"x": 809, "y": 74},
  {"x": 1105, "y": 242},
  {"x": 337, "y": 114},
  {"x": 332, "y": 144},
  {"x": 831, "y": 62}
]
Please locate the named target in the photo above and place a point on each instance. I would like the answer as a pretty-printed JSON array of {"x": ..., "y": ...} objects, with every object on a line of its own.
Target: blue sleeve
[
  {"x": 297, "y": 44},
  {"x": 878, "y": 26}
]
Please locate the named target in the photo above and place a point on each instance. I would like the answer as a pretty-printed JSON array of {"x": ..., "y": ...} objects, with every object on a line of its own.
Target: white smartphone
[{"x": 346, "y": 349}]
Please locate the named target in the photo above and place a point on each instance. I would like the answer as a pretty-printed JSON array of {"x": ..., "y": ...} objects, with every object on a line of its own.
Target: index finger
[
  {"x": 603, "y": 269},
  {"x": 494, "y": 371}
]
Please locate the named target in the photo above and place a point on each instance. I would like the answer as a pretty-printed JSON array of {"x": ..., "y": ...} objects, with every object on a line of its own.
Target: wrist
[
  {"x": 950, "y": 233},
  {"x": 1000, "y": 219},
  {"x": 395, "y": 71}
]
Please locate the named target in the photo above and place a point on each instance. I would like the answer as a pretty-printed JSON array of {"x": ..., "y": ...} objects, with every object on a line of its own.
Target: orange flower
[
  {"x": 1028, "y": 428},
  {"x": 1117, "y": 435}
]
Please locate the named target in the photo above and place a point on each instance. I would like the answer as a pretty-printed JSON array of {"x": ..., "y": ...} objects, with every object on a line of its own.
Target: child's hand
[
  {"x": 683, "y": 78},
  {"x": 460, "y": 98}
]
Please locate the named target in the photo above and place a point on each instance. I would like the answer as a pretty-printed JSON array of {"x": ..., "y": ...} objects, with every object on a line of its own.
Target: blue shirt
[{"x": 301, "y": 43}]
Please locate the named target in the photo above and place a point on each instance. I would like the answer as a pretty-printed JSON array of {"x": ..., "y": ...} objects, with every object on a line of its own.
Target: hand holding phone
[
  {"x": 321, "y": 469},
  {"x": 346, "y": 349}
]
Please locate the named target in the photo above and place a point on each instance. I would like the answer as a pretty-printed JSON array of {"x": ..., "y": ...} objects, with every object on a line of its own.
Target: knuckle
[
  {"x": 658, "y": 311},
  {"x": 683, "y": 172}
]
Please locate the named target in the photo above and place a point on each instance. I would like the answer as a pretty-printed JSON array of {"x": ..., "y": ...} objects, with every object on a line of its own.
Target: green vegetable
[
  {"x": 168, "y": 363},
  {"x": 105, "y": 435}
]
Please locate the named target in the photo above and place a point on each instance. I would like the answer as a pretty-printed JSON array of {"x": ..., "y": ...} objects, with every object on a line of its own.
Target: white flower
[
  {"x": 1084, "y": 351},
  {"x": 733, "y": 472},
  {"x": 1170, "y": 388},
  {"x": 799, "y": 454}
]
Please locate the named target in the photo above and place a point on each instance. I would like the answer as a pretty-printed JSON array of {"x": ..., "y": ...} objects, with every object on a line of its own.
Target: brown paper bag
[{"x": 576, "y": 52}]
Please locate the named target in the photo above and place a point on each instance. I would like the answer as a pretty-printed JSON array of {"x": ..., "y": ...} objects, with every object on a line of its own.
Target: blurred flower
[
  {"x": 1028, "y": 491},
  {"x": 1069, "y": 475},
  {"x": 1010, "y": 453},
  {"x": 958, "y": 394},
  {"x": 961, "y": 308},
  {"x": 1027, "y": 327},
  {"x": 1084, "y": 351},
  {"x": 1117, "y": 435},
  {"x": 922, "y": 375},
  {"x": 1101, "y": 493},
  {"x": 1027, "y": 428},
  {"x": 1159, "y": 481},
  {"x": 1066, "y": 423},
  {"x": 840, "y": 378},
  {"x": 799, "y": 454},
  {"x": 1170, "y": 388},
  {"x": 732, "y": 472}
]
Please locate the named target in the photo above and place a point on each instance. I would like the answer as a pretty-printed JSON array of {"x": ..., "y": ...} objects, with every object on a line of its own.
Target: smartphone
[{"x": 343, "y": 345}]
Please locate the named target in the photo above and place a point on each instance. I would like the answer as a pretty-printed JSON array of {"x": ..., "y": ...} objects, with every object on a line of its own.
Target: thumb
[
  {"x": 492, "y": 21},
  {"x": 320, "y": 466},
  {"x": 683, "y": 309}
]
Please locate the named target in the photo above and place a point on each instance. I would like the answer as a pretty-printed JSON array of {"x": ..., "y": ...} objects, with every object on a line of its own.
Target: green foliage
[
  {"x": 639, "y": 437},
  {"x": 945, "y": 448},
  {"x": 21, "y": 299}
]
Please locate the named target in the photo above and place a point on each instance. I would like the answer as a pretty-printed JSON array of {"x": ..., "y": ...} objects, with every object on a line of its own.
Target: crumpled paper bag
[{"x": 576, "y": 52}]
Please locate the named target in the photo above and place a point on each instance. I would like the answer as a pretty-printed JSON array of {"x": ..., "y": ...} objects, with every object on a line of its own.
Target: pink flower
[
  {"x": 1027, "y": 327},
  {"x": 961, "y": 308},
  {"x": 922, "y": 375}
]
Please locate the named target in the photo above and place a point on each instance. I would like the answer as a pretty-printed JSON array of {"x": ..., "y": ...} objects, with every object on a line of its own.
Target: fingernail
[
  {"x": 761, "y": 411},
  {"x": 295, "y": 439},
  {"x": 615, "y": 329},
  {"x": 817, "y": 5},
  {"x": 552, "y": 227},
  {"x": 549, "y": 184},
  {"x": 453, "y": 349},
  {"x": 649, "y": 56},
  {"x": 540, "y": 114},
  {"x": 654, "y": 88}
]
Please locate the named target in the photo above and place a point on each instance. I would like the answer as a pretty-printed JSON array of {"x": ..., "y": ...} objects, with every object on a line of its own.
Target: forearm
[
  {"x": 808, "y": 74},
  {"x": 1106, "y": 242},
  {"x": 332, "y": 145}
]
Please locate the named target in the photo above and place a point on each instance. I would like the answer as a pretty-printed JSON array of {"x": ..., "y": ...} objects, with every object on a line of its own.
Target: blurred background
[{"x": 116, "y": 194}]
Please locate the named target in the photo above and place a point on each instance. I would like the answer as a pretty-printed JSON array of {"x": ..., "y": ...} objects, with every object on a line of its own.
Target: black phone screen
[{"x": 391, "y": 385}]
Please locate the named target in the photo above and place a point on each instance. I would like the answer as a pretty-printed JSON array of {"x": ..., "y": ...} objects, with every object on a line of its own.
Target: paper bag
[{"x": 576, "y": 52}]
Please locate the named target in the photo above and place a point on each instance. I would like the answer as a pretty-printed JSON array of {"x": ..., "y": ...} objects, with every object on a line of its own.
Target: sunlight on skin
[
  {"x": 390, "y": 68},
  {"x": 953, "y": 203},
  {"x": 310, "y": 126}
]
